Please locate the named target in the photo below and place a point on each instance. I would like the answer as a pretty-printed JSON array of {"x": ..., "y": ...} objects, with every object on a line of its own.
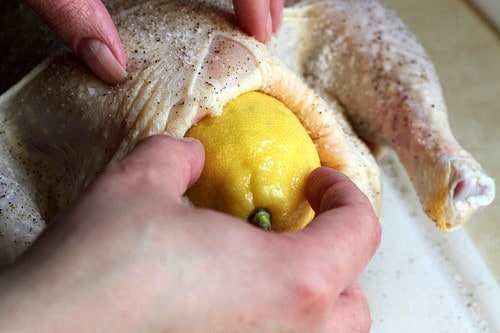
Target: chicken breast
[{"x": 187, "y": 59}]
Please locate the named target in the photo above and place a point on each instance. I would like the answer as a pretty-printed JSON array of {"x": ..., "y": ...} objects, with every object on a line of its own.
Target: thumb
[
  {"x": 259, "y": 18},
  {"x": 346, "y": 231},
  {"x": 167, "y": 165},
  {"x": 328, "y": 189}
]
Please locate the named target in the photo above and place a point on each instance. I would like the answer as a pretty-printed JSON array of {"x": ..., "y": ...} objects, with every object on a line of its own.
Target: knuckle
[
  {"x": 157, "y": 164},
  {"x": 135, "y": 175},
  {"x": 314, "y": 292},
  {"x": 67, "y": 18},
  {"x": 65, "y": 13},
  {"x": 352, "y": 314}
]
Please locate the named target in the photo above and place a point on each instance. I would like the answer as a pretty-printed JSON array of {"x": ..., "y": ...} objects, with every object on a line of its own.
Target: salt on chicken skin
[
  {"x": 347, "y": 69},
  {"x": 361, "y": 54}
]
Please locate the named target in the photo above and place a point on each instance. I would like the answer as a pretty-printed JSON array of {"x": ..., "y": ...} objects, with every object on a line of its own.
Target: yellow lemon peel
[{"x": 258, "y": 157}]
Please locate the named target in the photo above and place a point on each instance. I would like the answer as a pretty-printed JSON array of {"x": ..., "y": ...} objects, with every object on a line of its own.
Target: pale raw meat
[{"x": 335, "y": 64}]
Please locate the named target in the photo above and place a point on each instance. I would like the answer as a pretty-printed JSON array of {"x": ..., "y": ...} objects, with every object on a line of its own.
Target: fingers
[
  {"x": 259, "y": 18},
  {"x": 351, "y": 312},
  {"x": 167, "y": 165},
  {"x": 86, "y": 27},
  {"x": 345, "y": 233},
  {"x": 276, "y": 13}
]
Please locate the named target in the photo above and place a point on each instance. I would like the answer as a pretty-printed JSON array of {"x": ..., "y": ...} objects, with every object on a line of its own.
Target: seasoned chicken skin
[
  {"x": 361, "y": 54},
  {"x": 334, "y": 64}
]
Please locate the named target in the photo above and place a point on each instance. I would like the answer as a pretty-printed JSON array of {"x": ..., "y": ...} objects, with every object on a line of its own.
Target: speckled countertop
[{"x": 422, "y": 280}]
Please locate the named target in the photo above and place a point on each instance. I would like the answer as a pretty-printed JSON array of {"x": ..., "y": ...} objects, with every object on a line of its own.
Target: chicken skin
[{"x": 350, "y": 71}]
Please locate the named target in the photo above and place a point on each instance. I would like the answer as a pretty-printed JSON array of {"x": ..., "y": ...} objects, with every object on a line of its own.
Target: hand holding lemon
[
  {"x": 130, "y": 241},
  {"x": 258, "y": 157}
]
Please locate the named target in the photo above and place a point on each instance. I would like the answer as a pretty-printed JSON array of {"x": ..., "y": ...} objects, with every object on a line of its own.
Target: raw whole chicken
[{"x": 350, "y": 70}]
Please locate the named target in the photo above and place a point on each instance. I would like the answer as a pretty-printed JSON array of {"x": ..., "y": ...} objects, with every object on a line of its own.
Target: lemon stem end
[{"x": 262, "y": 219}]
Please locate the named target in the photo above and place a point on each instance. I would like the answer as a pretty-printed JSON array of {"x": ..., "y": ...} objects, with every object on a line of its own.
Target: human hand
[
  {"x": 86, "y": 27},
  {"x": 259, "y": 18},
  {"x": 131, "y": 256}
]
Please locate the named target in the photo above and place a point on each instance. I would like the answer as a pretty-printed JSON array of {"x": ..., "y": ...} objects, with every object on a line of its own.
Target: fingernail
[
  {"x": 188, "y": 139},
  {"x": 101, "y": 60}
]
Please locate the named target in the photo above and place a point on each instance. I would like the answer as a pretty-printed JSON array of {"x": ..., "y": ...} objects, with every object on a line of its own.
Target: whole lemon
[{"x": 258, "y": 157}]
